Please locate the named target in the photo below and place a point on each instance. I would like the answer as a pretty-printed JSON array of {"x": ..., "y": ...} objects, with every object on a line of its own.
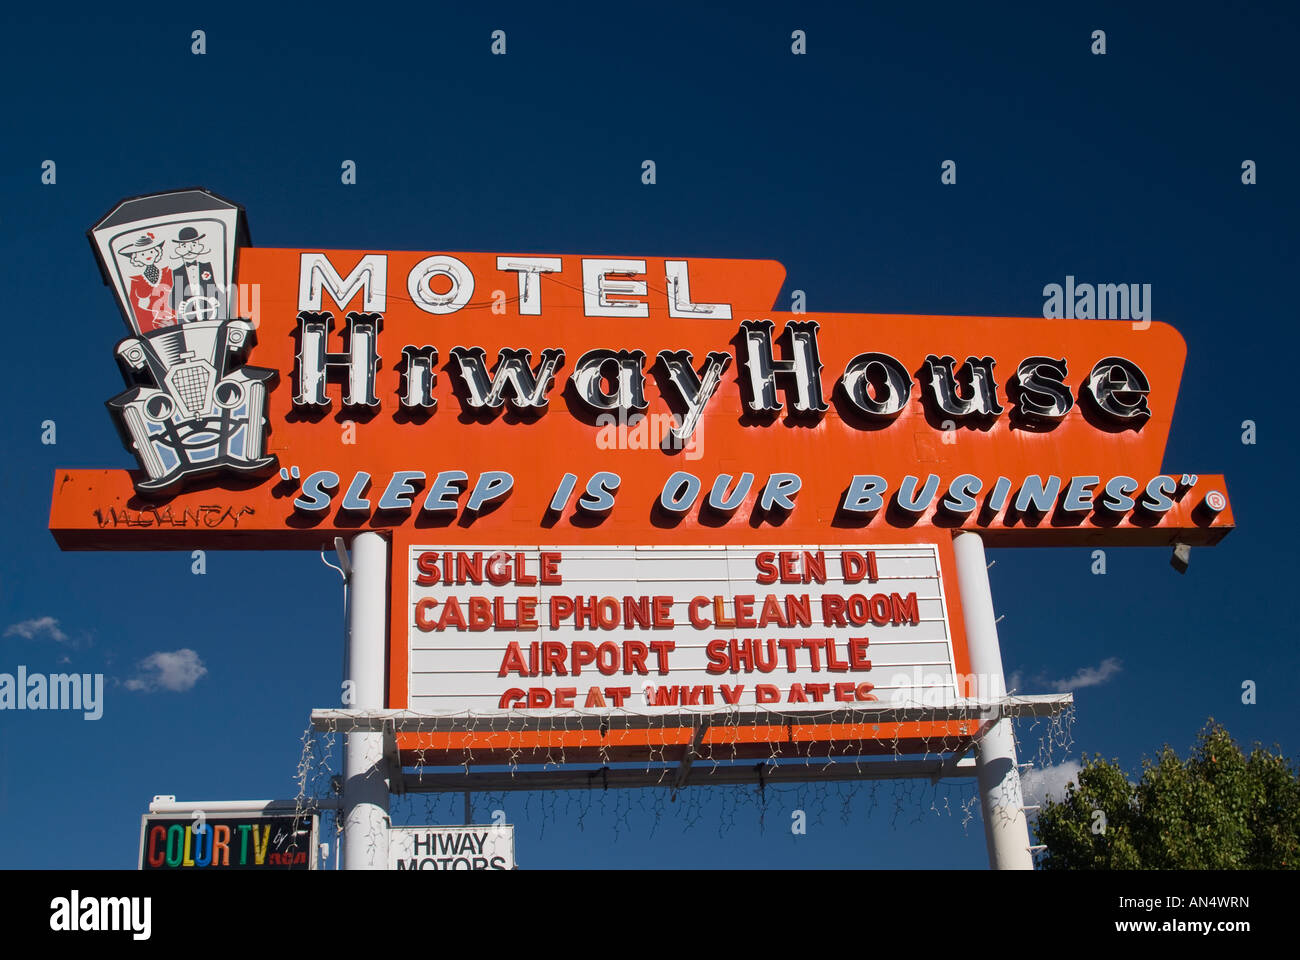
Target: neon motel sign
[{"x": 581, "y": 460}]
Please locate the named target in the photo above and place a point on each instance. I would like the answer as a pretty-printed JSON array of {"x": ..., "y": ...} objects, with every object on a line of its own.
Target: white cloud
[
  {"x": 1037, "y": 785},
  {"x": 1089, "y": 676},
  {"x": 1086, "y": 677},
  {"x": 39, "y": 627},
  {"x": 177, "y": 670}
]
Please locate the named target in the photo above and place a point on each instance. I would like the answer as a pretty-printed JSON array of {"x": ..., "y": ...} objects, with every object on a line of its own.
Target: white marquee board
[{"x": 457, "y": 670}]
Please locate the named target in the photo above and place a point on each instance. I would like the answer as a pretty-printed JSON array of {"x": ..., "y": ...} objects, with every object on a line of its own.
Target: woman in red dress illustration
[{"x": 150, "y": 289}]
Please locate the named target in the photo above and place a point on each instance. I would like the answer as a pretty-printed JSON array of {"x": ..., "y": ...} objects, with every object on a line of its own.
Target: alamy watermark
[
  {"x": 1101, "y": 301},
  {"x": 56, "y": 691},
  {"x": 918, "y": 687},
  {"x": 76, "y": 914},
  {"x": 641, "y": 431}
]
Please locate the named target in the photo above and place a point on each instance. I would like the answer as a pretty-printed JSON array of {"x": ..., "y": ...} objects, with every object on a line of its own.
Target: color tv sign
[
  {"x": 648, "y": 426},
  {"x": 229, "y": 842}
]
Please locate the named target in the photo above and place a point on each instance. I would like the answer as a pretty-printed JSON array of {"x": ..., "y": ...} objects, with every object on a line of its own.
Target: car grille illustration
[{"x": 191, "y": 384}]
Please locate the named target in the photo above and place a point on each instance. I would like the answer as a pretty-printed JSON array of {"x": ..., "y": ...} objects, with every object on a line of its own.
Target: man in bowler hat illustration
[{"x": 196, "y": 295}]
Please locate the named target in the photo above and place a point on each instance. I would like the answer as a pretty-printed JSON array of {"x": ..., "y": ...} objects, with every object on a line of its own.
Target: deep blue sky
[{"x": 1117, "y": 168}]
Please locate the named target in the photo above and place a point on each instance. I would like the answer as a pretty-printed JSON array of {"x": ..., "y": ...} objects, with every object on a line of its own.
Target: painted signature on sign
[{"x": 206, "y": 515}]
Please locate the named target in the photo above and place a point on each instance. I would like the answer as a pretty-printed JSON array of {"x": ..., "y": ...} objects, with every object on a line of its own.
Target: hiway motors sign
[{"x": 452, "y": 848}]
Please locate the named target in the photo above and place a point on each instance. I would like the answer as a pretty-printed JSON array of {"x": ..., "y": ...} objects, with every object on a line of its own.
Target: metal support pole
[
  {"x": 1006, "y": 830},
  {"x": 365, "y": 785}
]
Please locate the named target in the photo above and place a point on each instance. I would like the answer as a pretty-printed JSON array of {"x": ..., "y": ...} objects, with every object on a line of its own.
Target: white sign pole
[
  {"x": 365, "y": 786},
  {"x": 1006, "y": 831}
]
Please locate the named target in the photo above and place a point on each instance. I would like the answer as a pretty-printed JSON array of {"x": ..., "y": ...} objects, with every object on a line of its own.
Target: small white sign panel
[
  {"x": 546, "y": 631},
  {"x": 489, "y": 847}
]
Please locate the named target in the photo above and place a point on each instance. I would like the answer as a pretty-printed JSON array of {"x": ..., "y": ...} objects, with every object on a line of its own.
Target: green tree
[{"x": 1219, "y": 809}]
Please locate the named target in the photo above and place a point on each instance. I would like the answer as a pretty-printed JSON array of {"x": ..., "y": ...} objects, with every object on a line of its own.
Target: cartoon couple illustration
[{"x": 161, "y": 295}]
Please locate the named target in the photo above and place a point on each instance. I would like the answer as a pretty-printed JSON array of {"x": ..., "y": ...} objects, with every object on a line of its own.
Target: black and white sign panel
[{"x": 489, "y": 847}]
